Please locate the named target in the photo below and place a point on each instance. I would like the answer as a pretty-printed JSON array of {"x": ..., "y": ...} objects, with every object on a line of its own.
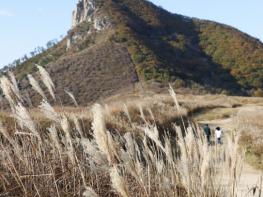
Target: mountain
[{"x": 114, "y": 44}]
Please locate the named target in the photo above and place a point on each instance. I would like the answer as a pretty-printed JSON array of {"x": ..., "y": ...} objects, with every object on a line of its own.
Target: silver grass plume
[
  {"x": 54, "y": 137},
  {"x": 204, "y": 166},
  {"x": 72, "y": 97},
  {"x": 5, "y": 133},
  {"x": 168, "y": 149},
  {"x": 46, "y": 79},
  {"x": 36, "y": 86},
  {"x": 153, "y": 134},
  {"x": 24, "y": 120},
  {"x": 118, "y": 182},
  {"x": 184, "y": 160},
  {"x": 142, "y": 114},
  {"x": 91, "y": 149},
  {"x": 89, "y": 192},
  {"x": 69, "y": 145},
  {"x": 100, "y": 131},
  {"x": 77, "y": 125},
  {"x": 126, "y": 111},
  {"x": 6, "y": 87},
  {"x": 173, "y": 95},
  {"x": 49, "y": 111},
  {"x": 130, "y": 146},
  {"x": 14, "y": 85}
]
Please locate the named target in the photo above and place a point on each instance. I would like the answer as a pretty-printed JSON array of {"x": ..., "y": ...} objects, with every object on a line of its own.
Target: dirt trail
[{"x": 250, "y": 177}]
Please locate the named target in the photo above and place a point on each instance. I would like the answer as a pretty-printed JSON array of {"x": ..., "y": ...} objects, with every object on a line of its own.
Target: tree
[
  {"x": 32, "y": 53},
  {"x": 24, "y": 58},
  {"x": 51, "y": 43}
]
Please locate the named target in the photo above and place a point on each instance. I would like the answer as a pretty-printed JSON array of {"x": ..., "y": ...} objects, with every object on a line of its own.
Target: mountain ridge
[{"x": 155, "y": 45}]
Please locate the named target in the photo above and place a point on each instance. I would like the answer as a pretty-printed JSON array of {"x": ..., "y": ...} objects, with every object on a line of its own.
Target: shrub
[
  {"x": 258, "y": 93},
  {"x": 179, "y": 83}
]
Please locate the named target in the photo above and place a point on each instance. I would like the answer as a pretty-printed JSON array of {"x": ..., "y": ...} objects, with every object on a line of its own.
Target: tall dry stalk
[
  {"x": 36, "y": 86},
  {"x": 46, "y": 79},
  {"x": 74, "y": 159}
]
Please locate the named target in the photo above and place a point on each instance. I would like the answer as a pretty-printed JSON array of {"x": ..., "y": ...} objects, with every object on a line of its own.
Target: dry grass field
[{"x": 128, "y": 145}]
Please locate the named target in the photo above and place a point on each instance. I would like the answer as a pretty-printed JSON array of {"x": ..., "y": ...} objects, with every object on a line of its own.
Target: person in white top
[{"x": 218, "y": 133}]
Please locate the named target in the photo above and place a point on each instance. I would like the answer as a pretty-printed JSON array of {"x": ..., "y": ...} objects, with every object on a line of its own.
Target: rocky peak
[
  {"x": 84, "y": 12},
  {"x": 87, "y": 11}
]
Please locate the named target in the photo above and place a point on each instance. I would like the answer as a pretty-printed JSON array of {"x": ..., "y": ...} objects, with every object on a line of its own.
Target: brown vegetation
[
  {"x": 251, "y": 125},
  {"x": 70, "y": 157}
]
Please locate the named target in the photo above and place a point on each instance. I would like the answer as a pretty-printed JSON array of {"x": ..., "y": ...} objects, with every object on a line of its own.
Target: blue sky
[{"x": 30, "y": 23}]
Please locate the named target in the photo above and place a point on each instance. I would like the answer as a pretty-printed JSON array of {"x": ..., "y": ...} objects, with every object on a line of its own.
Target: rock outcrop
[
  {"x": 84, "y": 12},
  {"x": 87, "y": 11}
]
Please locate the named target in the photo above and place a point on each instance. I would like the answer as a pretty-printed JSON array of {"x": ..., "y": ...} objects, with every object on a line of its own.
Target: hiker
[
  {"x": 218, "y": 133},
  {"x": 207, "y": 131}
]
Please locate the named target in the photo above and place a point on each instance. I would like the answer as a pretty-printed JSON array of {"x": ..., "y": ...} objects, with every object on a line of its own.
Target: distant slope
[
  {"x": 234, "y": 50},
  {"x": 92, "y": 78},
  {"x": 121, "y": 42},
  {"x": 166, "y": 46}
]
